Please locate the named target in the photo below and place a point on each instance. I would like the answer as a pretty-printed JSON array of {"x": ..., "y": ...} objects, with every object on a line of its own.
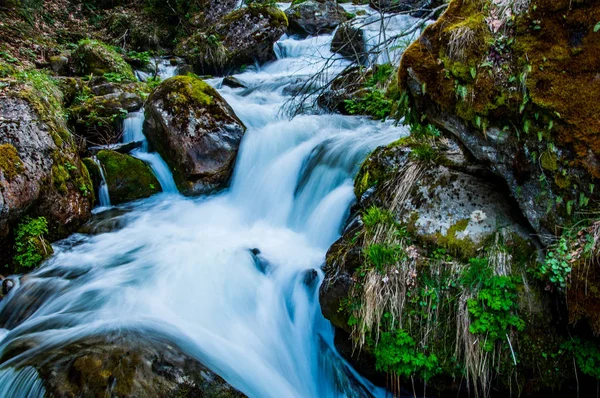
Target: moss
[
  {"x": 460, "y": 246},
  {"x": 127, "y": 178},
  {"x": 11, "y": 164},
  {"x": 95, "y": 57},
  {"x": 549, "y": 161}
]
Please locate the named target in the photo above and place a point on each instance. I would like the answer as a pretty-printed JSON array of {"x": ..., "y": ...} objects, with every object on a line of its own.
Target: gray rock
[
  {"x": 349, "y": 41},
  {"x": 315, "y": 17}
]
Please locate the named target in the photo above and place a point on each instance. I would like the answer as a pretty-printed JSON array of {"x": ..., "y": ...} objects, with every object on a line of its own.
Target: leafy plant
[
  {"x": 381, "y": 256},
  {"x": 374, "y": 216},
  {"x": 493, "y": 311},
  {"x": 557, "y": 265},
  {"x": 397, "y": 353},
  {"x": 30, "y": 246},
  {"x": 374, "y": 104}
]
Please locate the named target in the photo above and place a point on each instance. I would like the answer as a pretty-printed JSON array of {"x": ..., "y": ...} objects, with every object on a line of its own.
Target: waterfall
[
  {"x": 235, "y": 276},
  {"x": 103, "y": 195},
  {"x": 133, "y": 127},
  {"x": 23, "y": 382}
]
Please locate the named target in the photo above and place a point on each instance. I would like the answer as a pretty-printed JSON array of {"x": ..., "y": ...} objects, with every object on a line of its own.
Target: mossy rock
[
  {"x": 520, "y": 100},
  {"x": 97, "y": 58},
  {"x": 195, "y": 131},
  {"x": 240, "y": 38},
  {"x": 127, "y": 178}
]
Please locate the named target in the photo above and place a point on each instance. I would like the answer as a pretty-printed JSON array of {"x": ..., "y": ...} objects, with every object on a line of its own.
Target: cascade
[{"x": 186, "y": 267}]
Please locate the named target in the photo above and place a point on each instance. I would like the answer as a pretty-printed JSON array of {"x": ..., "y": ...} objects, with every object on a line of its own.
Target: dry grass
[{"x": 461, "y": 39}]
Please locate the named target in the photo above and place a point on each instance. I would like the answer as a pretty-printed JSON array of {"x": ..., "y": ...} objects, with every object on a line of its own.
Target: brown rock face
[
  {"x": 195, "y": 131},
  {"x": 40, "y": 171}
]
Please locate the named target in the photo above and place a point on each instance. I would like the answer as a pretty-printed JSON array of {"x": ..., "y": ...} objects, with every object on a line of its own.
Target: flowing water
[
  {"x": 103, "y": 194},
  {"x": 186, "y": 267}
]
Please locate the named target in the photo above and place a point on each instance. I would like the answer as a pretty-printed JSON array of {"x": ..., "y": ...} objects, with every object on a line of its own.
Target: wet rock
[
  {"x": 100, "y": 119},
  {"x": 7, "y": 285},
  {"x": 233, "y": 82},
  {"x": 310, "y": 276},
  {"x": 195, "y": 131},
  {"x": 119, "y": 147},
  {"x": 314, "y": 17},
  {"x": 349, "y": 41},
  {"x": 40, "y": 170},
  {"x": 240, "y": 38},
  {"x": 127, "y": 178},
  {"x": 259, "y": 261},
  {"x": 125, "y": 364}
]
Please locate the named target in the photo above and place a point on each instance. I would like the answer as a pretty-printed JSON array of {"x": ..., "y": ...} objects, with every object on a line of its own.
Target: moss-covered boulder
[
  {"x": 314, "y": 17},
  {"x": 41, "y": 173},
  {"x": 517, "y": 86},
  {"x": 127, "y": 178},
  {"x": 240, "y": 38},
  {"x": 433, "y": 268},
  {"x": 97, "y": 58},
  {"x": 195, "y": 131},
  {"x": 100, "y": 118}
]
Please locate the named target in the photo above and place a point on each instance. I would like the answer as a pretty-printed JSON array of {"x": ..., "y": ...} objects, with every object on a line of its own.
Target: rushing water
[
  {"x": 103, "y": 194},
  {"x": 186, "y": 266}
]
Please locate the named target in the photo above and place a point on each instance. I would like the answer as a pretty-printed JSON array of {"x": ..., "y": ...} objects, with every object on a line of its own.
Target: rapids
[{"x": 184, "y": 266}]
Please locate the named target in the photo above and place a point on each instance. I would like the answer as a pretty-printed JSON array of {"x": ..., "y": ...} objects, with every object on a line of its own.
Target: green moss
[
  {"x": 549, "y": 161},
  {"x": 10, "y": 163},
  {"x": 462, "y": 247},
  {"x": 127, "y": 178},
  {"x": 95, "y": 57}
]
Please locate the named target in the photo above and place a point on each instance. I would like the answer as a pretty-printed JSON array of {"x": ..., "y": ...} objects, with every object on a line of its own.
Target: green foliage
[
  {"x": 381, "y": 256},
  {"x": 493, "y": 310},
  {"x": 374, "y": 104},
  {"x": 374, "y": 216},
  {"x": 476, "y": 274},
  {"x": 586, "y": 354},
  {"x": 397, "y": 353},
  {"x": 381, "y": 75},
  {"x": 29, "y": 240},
  {"x": 114, "y": 77},
  {"x": 423, "y": 152},
  {"x": 143, "y": 57},
  {"x": 556, "y": 266}
]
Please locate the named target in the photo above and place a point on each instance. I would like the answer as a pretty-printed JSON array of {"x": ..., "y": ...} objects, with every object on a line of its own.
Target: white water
[
  {"x": 103, "y": 195},
  {"x": 133, "y": 132},
  {"x": 183, "y": 266}
]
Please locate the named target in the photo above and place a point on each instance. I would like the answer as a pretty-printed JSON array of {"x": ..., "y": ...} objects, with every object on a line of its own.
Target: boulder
[
  {"x": 529, "y": 122},
  {"x": 232, "y": 82},
  {"x": 124, "y": 364},
  {"x": 455, "y": 233},
  {"x": 40, "y": 170},
  {"x": 314, "y": 17},
  {"x": 127, "y": 178},
  {"x": 195, "y": 131},
  {"x": 100, "y": 118},
  {"x": 97, "y": 58},
  {"x": 349, "y": 41},
  {"x": 60, "y": 65},
  {"x": 242, "y": 37},
  {"x": 211, "y": 11}
]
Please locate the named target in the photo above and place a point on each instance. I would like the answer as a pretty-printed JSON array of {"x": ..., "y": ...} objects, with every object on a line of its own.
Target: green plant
[
  {"x": 374, "y": 104},
  {"x": 144, "y": 57},
  {"x": 397, "y": 353},
  {"x": 114, "y": 77},
  {"x": 493, "y": 311},
  {"x": 30, "y": 246},
  {"x": 586, "y": 354},
  {"x": 381, "y": 256},
  {"x": 374, "y": 216},
  {"x": 556, "y": 267}
]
